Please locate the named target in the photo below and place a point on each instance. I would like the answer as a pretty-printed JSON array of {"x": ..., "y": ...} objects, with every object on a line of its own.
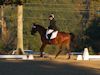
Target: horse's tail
[{"x": 72, "y": 36}]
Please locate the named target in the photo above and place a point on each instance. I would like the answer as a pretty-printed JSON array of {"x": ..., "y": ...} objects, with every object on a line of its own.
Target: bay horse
[{"x": 61, "y": 39}]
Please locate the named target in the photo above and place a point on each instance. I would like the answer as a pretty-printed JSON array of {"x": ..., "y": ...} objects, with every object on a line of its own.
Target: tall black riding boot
[{"x": 49, "y": 36}]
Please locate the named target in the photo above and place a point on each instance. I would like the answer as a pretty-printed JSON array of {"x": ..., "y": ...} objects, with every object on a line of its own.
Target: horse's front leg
[{"x": 42, "y": 50}]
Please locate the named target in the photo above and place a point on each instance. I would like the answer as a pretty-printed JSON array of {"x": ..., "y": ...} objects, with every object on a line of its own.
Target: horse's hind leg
[
  {"x": 69, "y": 54},
  {"x": 60, "y": 49},
  {"x": 68, "y": 51}
]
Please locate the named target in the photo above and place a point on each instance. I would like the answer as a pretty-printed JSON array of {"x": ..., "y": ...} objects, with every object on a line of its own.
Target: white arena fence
[
  {"x": 86, "y": 56},
  {"x": 22, "y": 57}
]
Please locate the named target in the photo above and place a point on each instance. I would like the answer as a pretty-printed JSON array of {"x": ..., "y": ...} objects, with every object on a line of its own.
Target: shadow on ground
[{"x": 43, "y": 68}]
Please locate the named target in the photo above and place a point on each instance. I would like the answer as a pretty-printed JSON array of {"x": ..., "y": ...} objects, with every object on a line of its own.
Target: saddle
[{"x": 51, "y": 34}]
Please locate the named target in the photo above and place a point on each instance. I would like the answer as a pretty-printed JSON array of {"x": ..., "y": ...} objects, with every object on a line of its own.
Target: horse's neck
[{"x": 42, "y": 31}]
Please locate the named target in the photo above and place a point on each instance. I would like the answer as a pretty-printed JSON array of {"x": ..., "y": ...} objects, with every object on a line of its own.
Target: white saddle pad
[
  {"x": 49, "y": 31},
  {"x": 54, "y": 34}
]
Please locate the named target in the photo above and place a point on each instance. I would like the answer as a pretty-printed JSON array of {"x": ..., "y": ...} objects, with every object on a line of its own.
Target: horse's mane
[{"x": 40, "y": 26}]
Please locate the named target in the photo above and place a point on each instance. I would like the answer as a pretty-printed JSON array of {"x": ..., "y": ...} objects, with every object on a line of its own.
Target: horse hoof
[
  {"x": 41, "y": 56},
  {"x": 55, "y": 57}
]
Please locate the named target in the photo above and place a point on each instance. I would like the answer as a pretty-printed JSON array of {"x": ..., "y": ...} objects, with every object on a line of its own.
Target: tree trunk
[
  {"x": 5, "y": 34},
  {"x": 20, "y": 28}
]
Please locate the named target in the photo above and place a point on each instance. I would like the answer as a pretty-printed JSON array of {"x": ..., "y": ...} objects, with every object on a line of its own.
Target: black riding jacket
[{"x": 53, "y": 25}]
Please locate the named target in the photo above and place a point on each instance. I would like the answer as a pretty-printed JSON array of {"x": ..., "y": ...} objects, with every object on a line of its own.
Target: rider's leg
[{"x": 49, "y": 36}]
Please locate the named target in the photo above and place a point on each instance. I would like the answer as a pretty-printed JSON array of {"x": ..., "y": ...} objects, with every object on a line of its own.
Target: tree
[
  {"x": 20, "y": 28},
  {"x": 19, "y": 20},
  {"x": 5, "y": 33}
]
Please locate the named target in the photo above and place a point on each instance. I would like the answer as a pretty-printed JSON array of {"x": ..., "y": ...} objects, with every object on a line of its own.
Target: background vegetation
[{"x": 68, "y": 17}]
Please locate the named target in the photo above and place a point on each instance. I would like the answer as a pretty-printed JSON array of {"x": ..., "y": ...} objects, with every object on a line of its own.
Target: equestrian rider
[{"x": 52, "y": 26}]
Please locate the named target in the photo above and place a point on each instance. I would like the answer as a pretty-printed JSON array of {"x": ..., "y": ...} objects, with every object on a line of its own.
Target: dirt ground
[{"x": 49, "y": 66}]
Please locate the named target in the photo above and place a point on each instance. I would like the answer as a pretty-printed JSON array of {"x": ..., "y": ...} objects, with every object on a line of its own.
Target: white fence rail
[
  {"x": 23, "y": 57},
  {"x": 86, "y": 56}
]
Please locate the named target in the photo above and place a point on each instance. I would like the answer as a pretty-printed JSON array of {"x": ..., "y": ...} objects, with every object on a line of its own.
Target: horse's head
[
  {"x": 34, "y": 29},
  {"x": 39, "y": 28}
]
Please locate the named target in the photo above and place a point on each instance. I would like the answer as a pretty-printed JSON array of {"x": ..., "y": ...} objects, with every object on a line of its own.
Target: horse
[{"x": 61, "y": 39}]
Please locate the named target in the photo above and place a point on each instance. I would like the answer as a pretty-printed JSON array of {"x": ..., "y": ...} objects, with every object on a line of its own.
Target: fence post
[{"x": 86, "y": 54}]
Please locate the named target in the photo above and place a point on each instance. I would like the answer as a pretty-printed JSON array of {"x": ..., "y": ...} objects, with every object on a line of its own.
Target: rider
[{"x": 52, "y": 26}]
